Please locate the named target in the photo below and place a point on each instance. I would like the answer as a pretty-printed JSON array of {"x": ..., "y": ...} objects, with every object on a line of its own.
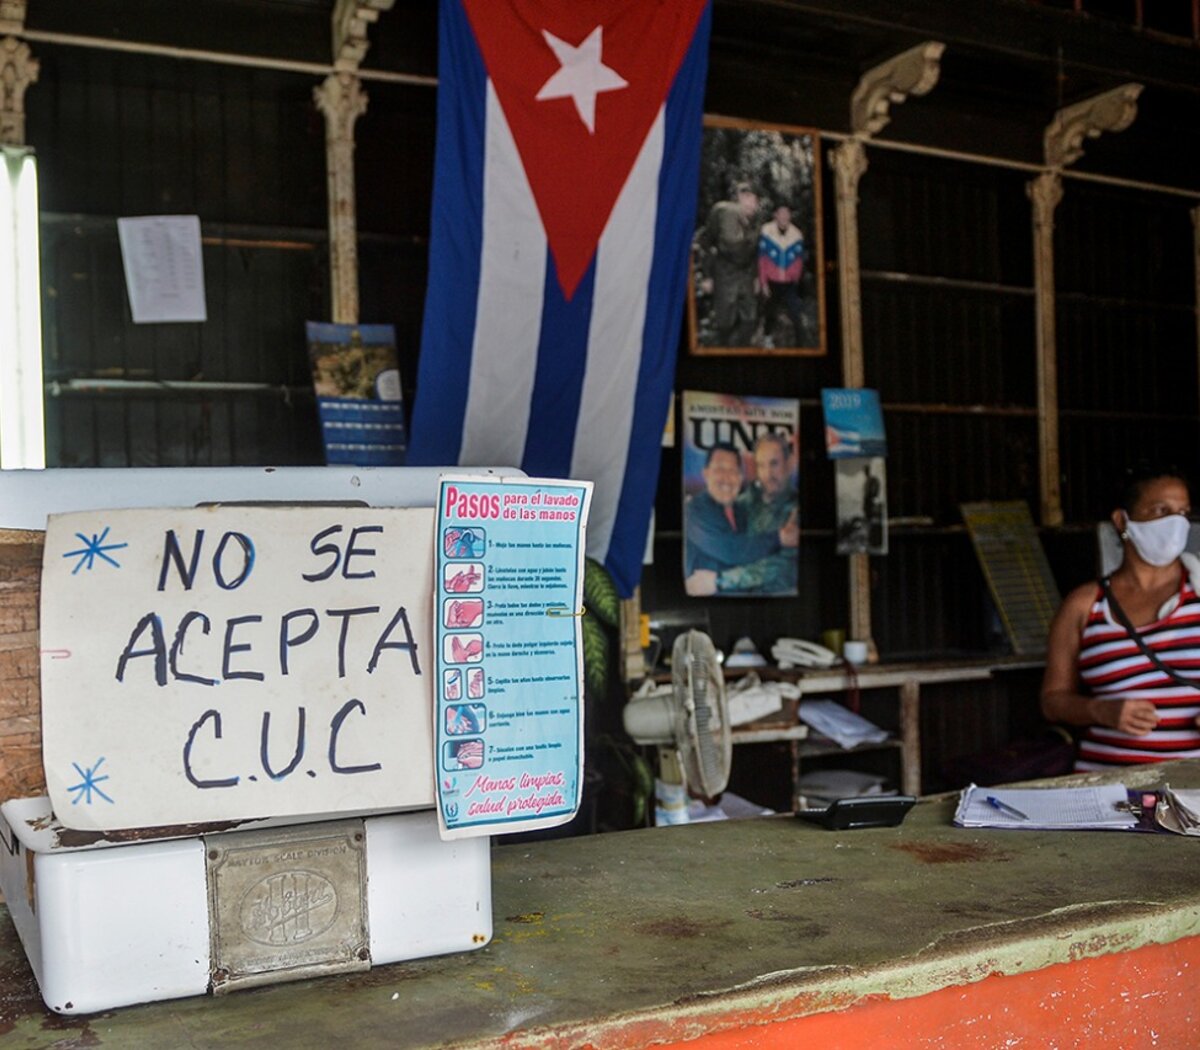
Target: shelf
[
  {"x": 817, "y": 749},
  {"x": 768, "y": 734},
  {"x": 884, "y": 675},
  {"x": 810, "y": 746},
  {"x": 907, "y": 677}
]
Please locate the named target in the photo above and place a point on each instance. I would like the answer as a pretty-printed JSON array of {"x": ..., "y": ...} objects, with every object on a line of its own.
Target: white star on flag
[{"x": 581, "y": 75}]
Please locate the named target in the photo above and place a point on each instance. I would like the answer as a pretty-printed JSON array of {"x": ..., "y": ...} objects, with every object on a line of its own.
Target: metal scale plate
[{"x": 287, "y": 903}]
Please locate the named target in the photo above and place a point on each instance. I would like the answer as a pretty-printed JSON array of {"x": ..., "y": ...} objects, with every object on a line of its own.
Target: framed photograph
[{"x": 757, "y": 276}]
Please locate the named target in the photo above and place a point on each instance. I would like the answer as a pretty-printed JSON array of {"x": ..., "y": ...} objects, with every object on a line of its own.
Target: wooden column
[
  {"x": 910, "y": 736},
  {"x": 1045, "y": 192},
  {"x": 633, "y": 660},
  {"x": 849, "y": 162},
  {"x": 341, "y": 100}
]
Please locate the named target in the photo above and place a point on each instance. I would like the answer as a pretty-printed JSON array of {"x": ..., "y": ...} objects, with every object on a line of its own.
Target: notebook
[{"x": 1100, "y": 807}]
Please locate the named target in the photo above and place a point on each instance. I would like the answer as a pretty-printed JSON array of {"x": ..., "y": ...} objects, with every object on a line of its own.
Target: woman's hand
[{"x": 1135, "y": 717}]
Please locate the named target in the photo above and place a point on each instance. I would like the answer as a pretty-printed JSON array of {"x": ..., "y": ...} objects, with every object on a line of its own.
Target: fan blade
[{"x": 700, "y": 697}]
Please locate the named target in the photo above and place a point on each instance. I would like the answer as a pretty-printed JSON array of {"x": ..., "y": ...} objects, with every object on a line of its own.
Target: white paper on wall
[{"x": 164, "y": 267}]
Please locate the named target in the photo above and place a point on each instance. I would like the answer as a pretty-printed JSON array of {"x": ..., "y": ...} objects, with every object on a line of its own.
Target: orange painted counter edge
[{"x": 1145, "y": 997}]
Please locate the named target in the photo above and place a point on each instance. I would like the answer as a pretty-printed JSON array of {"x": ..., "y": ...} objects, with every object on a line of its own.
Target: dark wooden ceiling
[{"x": 1008, "y": 66}]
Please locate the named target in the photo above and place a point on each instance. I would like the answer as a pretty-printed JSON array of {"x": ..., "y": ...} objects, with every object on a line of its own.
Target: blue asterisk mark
[
  {"x": 92, "y": 549},
  {"x": 88, "y": 784}
]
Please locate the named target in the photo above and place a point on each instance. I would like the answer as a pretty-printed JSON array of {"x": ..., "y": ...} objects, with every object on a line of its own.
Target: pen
[{"x": 1004, "y": 807}]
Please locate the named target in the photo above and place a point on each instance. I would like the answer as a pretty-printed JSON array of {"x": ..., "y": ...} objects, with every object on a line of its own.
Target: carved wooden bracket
[
  {"x": 12, "y": 15},
  {"x": 351, "y": 18},
  {"x": 18, "y": 69},
  {"x": 1111, "y": 111},
  {"x": 912, "y": 72}
]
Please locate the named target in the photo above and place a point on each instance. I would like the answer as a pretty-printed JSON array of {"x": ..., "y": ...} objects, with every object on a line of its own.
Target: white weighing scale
[{"x": 110, "y": 916}]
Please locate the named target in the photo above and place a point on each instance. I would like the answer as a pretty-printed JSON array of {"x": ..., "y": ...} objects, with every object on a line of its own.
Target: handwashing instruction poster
[{"x": 508, "y": 708}]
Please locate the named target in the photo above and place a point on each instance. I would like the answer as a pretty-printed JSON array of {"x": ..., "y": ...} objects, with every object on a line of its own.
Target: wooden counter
[{"x": 754, "y": 933}]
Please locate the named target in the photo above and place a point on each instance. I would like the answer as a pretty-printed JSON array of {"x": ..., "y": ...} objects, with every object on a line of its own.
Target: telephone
[{"x": 796, "y": 652}]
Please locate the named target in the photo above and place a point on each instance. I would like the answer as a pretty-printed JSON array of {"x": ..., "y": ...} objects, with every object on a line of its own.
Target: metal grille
[
  {"x": 127, "y": 135},
  {"x": 1127, "y": 362}
]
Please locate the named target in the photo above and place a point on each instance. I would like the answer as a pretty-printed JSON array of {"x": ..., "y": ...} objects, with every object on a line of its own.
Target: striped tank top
[{"x": 1112, "y": 665}]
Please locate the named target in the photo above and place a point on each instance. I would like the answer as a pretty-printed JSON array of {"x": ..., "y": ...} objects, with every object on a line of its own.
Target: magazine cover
[
  {"x": 741, "y": 495},
  {"x": 862, "y": 506},
  {"x": 853, "y": 423},
  {"x": 356, "y": 375}
]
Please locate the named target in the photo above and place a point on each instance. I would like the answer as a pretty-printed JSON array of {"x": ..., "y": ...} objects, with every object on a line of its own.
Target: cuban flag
[{"x": 568, "y": 151}]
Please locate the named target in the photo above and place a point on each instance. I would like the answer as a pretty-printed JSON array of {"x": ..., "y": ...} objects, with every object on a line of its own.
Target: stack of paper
[
  {"x": 1104, "y": 806},
  {"x": 840, "y": 723},
  {"x": 1179, "y": 811}
]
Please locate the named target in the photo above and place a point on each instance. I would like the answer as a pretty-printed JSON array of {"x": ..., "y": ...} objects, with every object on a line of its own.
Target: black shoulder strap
[{"x": 1147, "y": 652}]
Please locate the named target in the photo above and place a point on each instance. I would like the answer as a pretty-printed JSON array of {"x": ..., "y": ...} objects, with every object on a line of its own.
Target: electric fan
[{"x": 691, "y": 718}]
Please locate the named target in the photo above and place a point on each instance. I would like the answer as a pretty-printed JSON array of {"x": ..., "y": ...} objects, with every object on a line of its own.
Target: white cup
[{"x": 855, "y": 653}]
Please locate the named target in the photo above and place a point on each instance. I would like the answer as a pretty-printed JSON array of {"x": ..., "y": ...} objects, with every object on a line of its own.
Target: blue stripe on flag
[
  {"x": 454, "y": 245},
  {"x": 678, "y": 183},
  {"x": 558, "y": 384}
]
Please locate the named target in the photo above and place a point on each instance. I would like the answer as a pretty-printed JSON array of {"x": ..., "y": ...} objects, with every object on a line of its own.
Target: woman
[{"x": 1097, "y": 675}]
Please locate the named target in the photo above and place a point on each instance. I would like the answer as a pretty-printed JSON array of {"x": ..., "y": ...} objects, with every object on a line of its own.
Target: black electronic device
[{"x": 864, "y": 811}]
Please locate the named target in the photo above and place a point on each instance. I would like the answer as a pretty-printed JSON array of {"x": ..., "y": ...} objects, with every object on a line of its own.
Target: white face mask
[{"x": 1160, "y": 541}]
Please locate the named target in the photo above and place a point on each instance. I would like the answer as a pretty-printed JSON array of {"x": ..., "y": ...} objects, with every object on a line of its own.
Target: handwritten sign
[
  {"x": 224, "y": 663},
  {"x": 509, "y": 712}
]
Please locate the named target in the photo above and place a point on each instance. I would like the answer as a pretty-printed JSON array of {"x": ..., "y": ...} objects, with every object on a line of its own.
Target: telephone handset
[{"x": 796, "y": 652}]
